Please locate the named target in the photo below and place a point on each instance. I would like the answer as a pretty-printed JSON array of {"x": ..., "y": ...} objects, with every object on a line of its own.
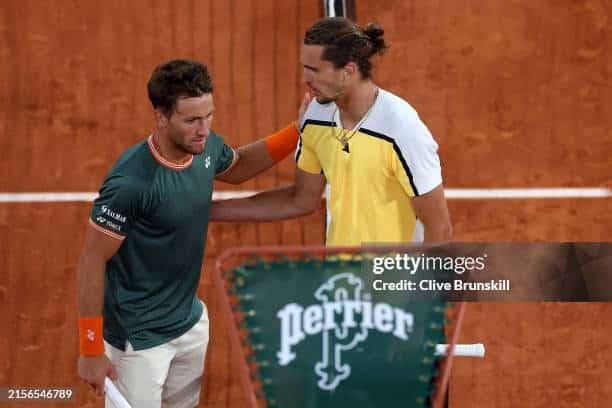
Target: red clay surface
[{"x": 516, "y": 93}]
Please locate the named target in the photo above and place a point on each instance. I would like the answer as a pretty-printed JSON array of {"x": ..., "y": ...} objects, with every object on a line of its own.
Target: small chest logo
[{"x": 207, "y": 162}]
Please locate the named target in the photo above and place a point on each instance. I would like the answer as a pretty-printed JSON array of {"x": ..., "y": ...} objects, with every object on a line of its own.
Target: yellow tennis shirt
[{"x": 391, "y": 158}]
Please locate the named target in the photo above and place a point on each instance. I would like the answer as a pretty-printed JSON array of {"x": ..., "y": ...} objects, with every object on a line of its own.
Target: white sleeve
[
  {"x": 418, "y": 157},
  {"x": 308, "y": 113}
]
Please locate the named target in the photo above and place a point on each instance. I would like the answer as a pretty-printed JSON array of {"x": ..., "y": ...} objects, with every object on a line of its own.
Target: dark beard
[
  {"x": 192, "y": 150},
  {"x": 329, "y": 99},
  {"x": 189, "y": 148},
  {"x": 324, "y": 101}
]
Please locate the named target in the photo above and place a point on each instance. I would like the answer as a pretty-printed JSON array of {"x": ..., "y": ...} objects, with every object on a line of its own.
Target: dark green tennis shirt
[{"x": 160, "y": 211}]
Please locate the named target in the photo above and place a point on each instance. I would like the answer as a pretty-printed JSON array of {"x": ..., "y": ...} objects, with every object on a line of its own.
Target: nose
[
  {"x": 306, "y": 76},
  {"x": 204, "y": 129}
]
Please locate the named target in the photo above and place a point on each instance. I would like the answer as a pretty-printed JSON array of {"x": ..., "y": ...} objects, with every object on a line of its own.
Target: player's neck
[
  {"x": 356, "y": 102},
  {"x": 168, "y": 150}
]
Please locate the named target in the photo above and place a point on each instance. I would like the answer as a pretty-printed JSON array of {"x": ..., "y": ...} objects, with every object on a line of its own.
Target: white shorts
[{"x": 168, "y": 375}]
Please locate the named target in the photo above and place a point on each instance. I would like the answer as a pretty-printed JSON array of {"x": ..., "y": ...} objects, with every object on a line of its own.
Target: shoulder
[
  {"x": 395, "y": 105},
  {"x": 398, "y": 121},
  {"x": 123, "y": 184},
  {"x": 133, "y": 170},
  {"x": 218, "y": 149},
  {"x": 318, "y": 114},
  {"x": 215, "y": 138},
  {"x": 214, "y": 144},
  {"x": 133, "y": 155},
  {"x": 223, "y": 155},
  {"x": 395, "y": 114}
]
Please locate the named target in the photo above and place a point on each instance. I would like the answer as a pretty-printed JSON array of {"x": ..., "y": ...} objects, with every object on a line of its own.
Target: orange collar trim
[{"x": 165, "y": 162}]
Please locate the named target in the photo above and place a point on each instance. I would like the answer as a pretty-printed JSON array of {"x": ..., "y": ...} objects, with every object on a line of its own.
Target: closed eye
[{"x": 313, "y": 69}]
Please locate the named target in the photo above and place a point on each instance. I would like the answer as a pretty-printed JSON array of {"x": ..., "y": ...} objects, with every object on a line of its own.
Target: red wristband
[
  {"x": 283, "y": 142},
  {"x": 90, "y": 336}
]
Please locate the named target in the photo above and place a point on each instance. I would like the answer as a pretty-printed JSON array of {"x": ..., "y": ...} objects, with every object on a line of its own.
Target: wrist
[
  {"x": 91, "y": 341},
  {"x": 283, "y": 142}
]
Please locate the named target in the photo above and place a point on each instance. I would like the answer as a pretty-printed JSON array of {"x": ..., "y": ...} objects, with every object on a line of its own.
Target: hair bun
[{"x": 375, "y": 33}]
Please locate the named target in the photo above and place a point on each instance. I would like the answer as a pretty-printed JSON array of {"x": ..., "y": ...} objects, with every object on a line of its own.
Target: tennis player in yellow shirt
[{"x": 365, "y": 147}]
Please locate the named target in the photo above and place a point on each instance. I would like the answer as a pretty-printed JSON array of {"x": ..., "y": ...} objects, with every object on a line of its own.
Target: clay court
[{"x": 517, "y": 94}]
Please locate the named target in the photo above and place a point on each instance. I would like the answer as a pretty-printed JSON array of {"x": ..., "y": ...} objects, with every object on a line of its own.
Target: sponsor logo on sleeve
[
  {"x": 111, "y": 219},
  {"x": 113, "y": 214}
]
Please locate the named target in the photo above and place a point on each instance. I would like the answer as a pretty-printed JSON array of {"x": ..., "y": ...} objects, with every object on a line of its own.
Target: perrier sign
[{"x": 323, "y": 338}]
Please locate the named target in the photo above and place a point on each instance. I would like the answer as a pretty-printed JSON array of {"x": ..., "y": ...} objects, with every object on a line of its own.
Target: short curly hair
[{"x": 176, "y": 79}]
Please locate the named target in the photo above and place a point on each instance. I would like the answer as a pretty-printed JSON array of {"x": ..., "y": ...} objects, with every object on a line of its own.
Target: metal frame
[{"x": 339, "y": 8}]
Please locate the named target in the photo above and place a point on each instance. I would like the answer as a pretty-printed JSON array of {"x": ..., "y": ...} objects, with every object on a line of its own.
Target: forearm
[
  {"x": 431, "y": 210},
  {"x": 90, "y": 285},
  {"x": 437, "y": 232},
  {"x": 271, "y": 205},
  {"x": 254, "y": 160},
  {"x": 262, "y": 154}
]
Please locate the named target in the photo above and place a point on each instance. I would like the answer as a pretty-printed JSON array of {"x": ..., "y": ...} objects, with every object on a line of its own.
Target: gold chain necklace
[{"x": 346, "y": 135}]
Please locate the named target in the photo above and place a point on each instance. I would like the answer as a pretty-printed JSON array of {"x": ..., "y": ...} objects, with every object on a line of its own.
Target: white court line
[
  {"x": 451, "y": 193},
  {"x": 487, "y": 193},
  {"x": 45, "y": 197}
]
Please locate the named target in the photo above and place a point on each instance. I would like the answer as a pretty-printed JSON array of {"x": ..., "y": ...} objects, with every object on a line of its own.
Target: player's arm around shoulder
[
  {"x": 431, "y": 209},
  {"x": 302, "y": 198},
  {"x": 255, "y": 158}
]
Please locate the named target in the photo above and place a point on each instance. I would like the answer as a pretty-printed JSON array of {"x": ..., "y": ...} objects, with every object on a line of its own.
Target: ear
[
  {"x": 350, "y": 69},
  {"x": 160, "y": 118}
]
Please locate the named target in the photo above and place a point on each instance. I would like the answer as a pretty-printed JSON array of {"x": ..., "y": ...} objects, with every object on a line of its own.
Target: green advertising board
[{"x": 323, "y": 338}]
